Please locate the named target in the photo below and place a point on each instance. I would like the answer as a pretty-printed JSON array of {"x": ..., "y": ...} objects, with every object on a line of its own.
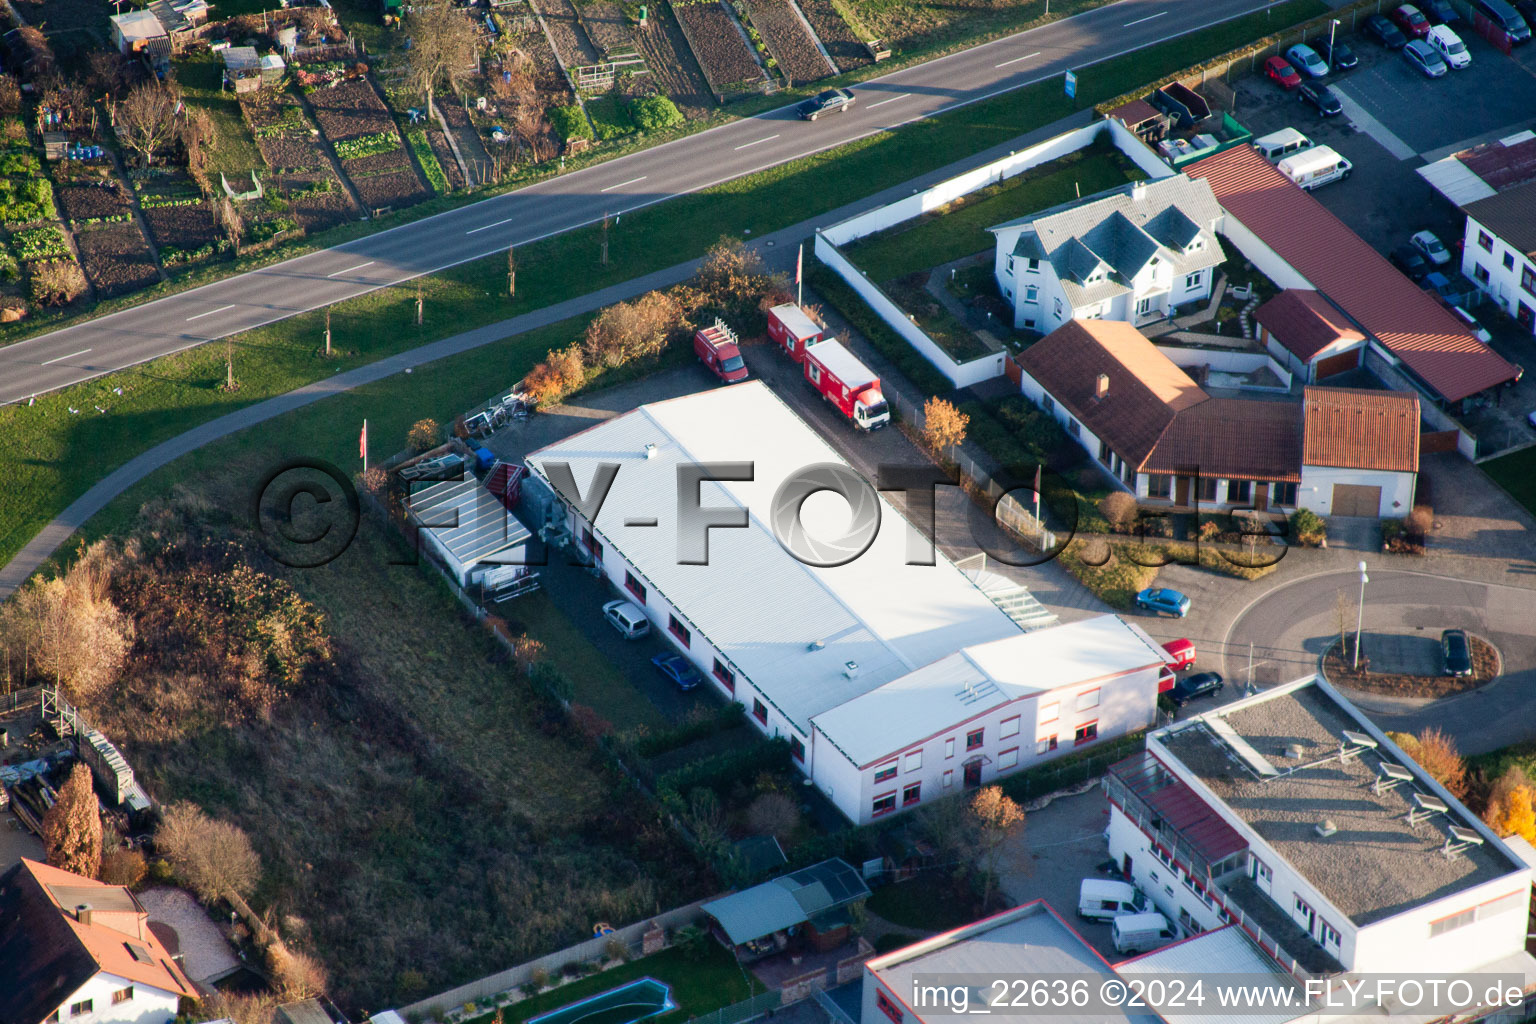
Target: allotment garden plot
[
  {"x": 842, "y": 41},
  {"x": 716, "y": 40},
  {"x": 300, "y": 170},
  {"x": 788, "y": 41},
  {"x": 367, "y": 143}
]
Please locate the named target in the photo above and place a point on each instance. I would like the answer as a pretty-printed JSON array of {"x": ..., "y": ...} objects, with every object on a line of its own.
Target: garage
[
  {"x": 1341, "y": 363},
  {"x": 1356, "y": 500}
]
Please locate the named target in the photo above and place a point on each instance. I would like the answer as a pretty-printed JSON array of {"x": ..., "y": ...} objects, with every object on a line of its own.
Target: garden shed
[
  {"x": 809, "y": 907},
  {"x": 242, "y": 69}
]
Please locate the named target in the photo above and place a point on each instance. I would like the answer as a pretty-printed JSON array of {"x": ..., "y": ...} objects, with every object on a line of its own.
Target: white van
[
  {"x": 1448, "y": 44},
  {"x": 1099, "y": 899},
  {"x": 1276, "y": 146},
  {"x": 1316, "y": 166},
  {"x": 1138, "y": 933}
]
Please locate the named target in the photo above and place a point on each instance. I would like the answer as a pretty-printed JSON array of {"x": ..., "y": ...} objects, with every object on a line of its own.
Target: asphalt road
[
  {"x": 582, "y": 197},
  {"x": 1495, "y": 715}
]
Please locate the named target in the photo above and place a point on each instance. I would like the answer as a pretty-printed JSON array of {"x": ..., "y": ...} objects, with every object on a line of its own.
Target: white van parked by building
[
  {"x": 1100, "y": 899},
  {"x": 1449, "y": 45},
  {"x": 1276, "y": 146},
  {"x": 1139, "y": 933},
  {"x": 1316, "y": 166}
]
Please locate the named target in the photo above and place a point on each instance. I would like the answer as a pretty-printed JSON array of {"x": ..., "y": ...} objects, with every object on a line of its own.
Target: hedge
[
  {"x": 1072, "y": 768},
  {"x": 570, "y": 122},
  {"x": 728, "y": 717},
  {"x": 653, "y": 112},
  {"x": 722, "y": 771}
]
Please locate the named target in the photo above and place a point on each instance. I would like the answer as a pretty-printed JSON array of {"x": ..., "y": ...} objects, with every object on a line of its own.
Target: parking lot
[{"x": 1395, "y": 121}]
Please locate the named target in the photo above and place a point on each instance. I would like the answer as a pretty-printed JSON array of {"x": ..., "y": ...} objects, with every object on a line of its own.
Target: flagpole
[
  {"x": 365, "y": 445},
  {"x": 799, "y": 285}
]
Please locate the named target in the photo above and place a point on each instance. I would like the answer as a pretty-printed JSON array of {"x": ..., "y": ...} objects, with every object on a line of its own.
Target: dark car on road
[
  {"x": 832, "y": 101},
  {"x": 678, "y": 669},
  {"x": 1338, "y": 54},
  {"x": 1323, "y": 98},
  {"x": 1201, "y": 684},
  {"x": 1458, "y": 652},
  {"x": 1410, "y": 261},
  {"x": 1384, "y": 32}
]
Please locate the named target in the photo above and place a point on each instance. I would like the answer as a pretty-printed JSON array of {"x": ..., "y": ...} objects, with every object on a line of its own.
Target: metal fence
[{"x": 742, "y": 1011}]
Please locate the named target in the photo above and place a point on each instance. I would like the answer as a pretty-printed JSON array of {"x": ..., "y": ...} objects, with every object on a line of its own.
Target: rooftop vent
[
  {"x": 815, "y": 645},
  {"x": 1326, "y": 828},
  {"x": 650, "y": 451},
  {"x": 83, "y": 913},
  {"x": 851, "y": 669},
  {"x": 1295, "y": 750}
]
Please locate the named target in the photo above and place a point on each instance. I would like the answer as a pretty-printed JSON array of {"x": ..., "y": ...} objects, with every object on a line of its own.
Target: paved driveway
[{"x": 1290, "y": 627}]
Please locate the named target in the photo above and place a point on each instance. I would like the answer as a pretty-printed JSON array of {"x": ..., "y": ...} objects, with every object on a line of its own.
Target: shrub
[
  {"x": 570, "y": 123},
  {"x": 557, "y": 377},
  {"x": 538, "y": 978},
  {"x": 57, "y": 282},
  {"x": 213, "y": 857},
  {"x": 424, "y": 435},
  {"x": 654, "y": 112},
  {"x": 944, "y": 426},
  {"x": 123, "y": 867},
  {"x": 1418, "y": 523},
  {"x": 1119, "y": 508},
  {"x": 1307, "y": 527}
]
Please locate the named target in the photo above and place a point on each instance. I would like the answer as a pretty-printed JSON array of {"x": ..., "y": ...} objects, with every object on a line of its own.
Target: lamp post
[
  {"x": 1332, "y": 28},
  {"x": 1360, "y": 618}
]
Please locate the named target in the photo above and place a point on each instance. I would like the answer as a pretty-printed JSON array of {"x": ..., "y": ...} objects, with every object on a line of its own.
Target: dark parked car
[
  {"x": 1411, "y": 20},
  {"x": 1323, "y": 98},
  {"x": 1458, "y": 652},
  {"x": 832, "y": 101},
  {"x": 678, "y": 669},
  {"x": 1440, "y": 11},
  {"x": 1384, "y": 32},
  {"x": 1201, "y": 684},
  {"x": 1339, "y": 56},
  {"x": 1410, "y": 261}
]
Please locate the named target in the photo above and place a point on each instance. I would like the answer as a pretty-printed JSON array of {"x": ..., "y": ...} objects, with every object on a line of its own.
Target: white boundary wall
[
  {"x": 883, "y": 217},
  {"x": 1228, "y": 361}
]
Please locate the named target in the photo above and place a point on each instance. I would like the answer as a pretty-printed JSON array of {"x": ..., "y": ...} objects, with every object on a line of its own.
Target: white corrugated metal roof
[
  {"x": 1223, "y": 951},
  {"x": 1456, "y": 181},
  {"x": 137, "y": 25},
  {"x": 754, "y": 601},
  {"x": 982, "y": 677},
  {"x": 793, "y": 317},
  {"x": 843, "y": 364},
  {"x": 466, "y": 520}
]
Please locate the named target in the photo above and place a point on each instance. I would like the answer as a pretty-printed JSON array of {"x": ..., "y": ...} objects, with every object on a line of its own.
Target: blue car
[
  {"x": 678, "y": 669},
  {"x": 1161, "y": 599}
]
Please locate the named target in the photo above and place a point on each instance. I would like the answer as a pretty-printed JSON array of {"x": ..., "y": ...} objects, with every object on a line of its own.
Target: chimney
[
  {"x": 83, "y": 914},
  {"x": 1101, "y": 386},
  {"x": 1138, "y": 191},
  {"x": 650, "y": 451},
  {"x": 851, "y": 669},
  {"x": 1326, "y": 828}
]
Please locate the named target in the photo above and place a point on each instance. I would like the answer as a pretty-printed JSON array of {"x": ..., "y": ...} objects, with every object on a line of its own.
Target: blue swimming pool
[{"x": 636, "y": 1001}]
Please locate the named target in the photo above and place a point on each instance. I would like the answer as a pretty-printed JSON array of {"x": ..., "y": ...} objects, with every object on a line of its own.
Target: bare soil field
[
  {"x": 842, "y": 42},
  {"x": 440, "y": 149},
  {"x": 349, "y": 109},
  {"x": 467, "y": 137},
  {"x": 788, "y": 40},
  {"x": 182, "y": 229},
  {"x": 673, "y": 66},
  {"x": 393, "y": 189},
  {"x": 565, "y": 31},
  {"x": 82, "y": 201},
  {"x": 316, "y": 210},
  {"x": 115, "y": 257},
  {"x": 606, "y": 26},
  {"x": 727, "y": 61}
]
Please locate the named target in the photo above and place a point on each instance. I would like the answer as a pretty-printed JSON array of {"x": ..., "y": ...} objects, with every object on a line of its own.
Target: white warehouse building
[{"x": 796, "y": 644}]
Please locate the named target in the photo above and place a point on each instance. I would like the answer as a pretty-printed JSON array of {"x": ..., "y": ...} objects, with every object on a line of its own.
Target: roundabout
[{"x": 1292, "y": 626}]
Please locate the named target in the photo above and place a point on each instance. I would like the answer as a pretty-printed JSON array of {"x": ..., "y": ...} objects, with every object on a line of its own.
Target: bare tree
[
  {"x": 228, "y": 216},
  {"x": 774, "y": 814},
  {"x": 213, "y": 857},
  {"x": 998, "y": 819},
  {"x": 146, "y": 120},
  {"x": 445, "y": 47},
  {"x": 296, "y": 975},
  {"x": 72, "y": 826}
]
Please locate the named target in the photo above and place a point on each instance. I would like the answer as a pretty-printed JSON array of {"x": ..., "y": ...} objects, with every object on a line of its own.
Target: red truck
[
  {"x": 718, "y": 349},
  {"x": 847, "y": 383},
  {"x": 793, "y": 330}
]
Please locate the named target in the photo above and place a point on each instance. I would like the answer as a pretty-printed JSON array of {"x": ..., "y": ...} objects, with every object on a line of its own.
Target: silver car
[
  {"x": 1424, "y": 57},
  {"x": 628, "y": 619}
]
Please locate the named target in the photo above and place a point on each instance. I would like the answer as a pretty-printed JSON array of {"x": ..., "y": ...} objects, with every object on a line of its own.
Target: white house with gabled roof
[{"x": 1133, "y": 253}]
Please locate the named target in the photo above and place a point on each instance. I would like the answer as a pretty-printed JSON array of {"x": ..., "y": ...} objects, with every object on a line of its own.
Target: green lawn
[
  {"x": 1516, "y": 474},
  {"x": 698, "y": 986},
  {"x": 609, "y": 116},
  {"x": 960, "y": 229},
  {"x": 922, "y": 903},
  {"x": 49, "y": 456},
  {"x": 234, "y": 149}
]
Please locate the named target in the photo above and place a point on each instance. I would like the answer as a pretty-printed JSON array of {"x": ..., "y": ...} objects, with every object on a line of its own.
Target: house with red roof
[
  {"x": 79, "y": 951},
  {"x": 1159, "y": 435},
  {"x": 1307, "y": 335},
  {"x": 1297, "y": 242}
]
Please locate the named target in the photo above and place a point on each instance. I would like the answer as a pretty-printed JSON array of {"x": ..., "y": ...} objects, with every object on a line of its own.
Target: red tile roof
[
  {"x": 46, "y": 946},
  {"x": 1232, "y": 438},
  {"x": 1355, "y": 429},
  {"x": 1146, "y": 390},
  {"x": 1304, "y": 322},
  {"x": 1407, "y": 321}
]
